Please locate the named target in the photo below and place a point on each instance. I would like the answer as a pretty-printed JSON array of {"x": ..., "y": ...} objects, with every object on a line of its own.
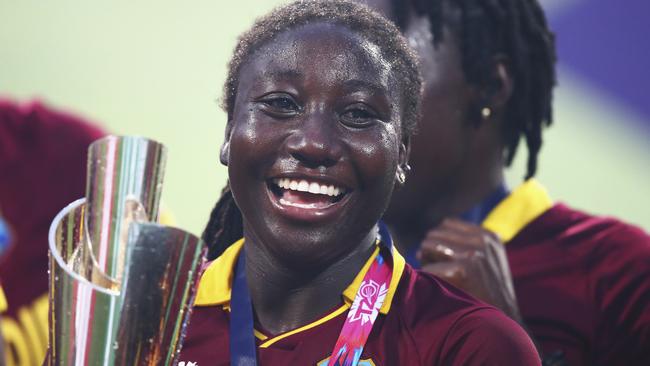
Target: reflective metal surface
[
  {"x": 121, "y": 285},
  {"x": 124, "y": 174}
]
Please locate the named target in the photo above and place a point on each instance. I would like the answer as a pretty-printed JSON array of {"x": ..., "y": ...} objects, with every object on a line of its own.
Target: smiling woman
[
  {"x": 322, "y": 97},
  {"x": 315, "y": 107}
]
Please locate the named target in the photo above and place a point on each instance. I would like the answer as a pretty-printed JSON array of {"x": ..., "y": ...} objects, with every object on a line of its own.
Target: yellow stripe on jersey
[
  {"x": 215, "y": 286},
  {"x": 313, "y": 324},
  {"x": 523, "y": 205},
  {"x": 3, "y": 301},
  {"x": 261, "y": 336}
]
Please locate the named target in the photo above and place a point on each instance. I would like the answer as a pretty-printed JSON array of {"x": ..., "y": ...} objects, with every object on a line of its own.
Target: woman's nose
[{"x": 316, "y": 142}]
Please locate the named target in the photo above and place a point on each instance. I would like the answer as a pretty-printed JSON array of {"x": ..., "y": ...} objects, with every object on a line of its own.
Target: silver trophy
[{"x": 121, "y": 285}]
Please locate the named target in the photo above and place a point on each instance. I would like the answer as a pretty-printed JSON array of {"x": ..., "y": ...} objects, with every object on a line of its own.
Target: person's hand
[{"x": 472, "y": 259}]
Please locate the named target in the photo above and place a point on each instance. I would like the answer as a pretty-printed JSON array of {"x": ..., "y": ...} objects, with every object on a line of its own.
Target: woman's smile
[{"x": 306, "y": 198}]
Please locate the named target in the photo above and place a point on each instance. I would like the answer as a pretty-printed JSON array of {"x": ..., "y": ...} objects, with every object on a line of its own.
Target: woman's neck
[
  {"x": 470, "y": 190},
  {"x": 285, "y": 298}
]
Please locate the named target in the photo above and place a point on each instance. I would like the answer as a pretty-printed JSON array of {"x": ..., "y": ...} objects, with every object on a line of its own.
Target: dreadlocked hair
[
  {"x": 226, "y": 223},
  {"x": 516, "y": 29}
]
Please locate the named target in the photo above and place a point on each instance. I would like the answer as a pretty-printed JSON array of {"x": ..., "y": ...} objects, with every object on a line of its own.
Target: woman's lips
[{"x": 305, "y": 199}]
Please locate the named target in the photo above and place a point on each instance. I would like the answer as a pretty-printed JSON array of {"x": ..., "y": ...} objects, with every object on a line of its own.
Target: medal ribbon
[
  {"x": 243, "y": 351},
  {"x": 362, "y": 315}
]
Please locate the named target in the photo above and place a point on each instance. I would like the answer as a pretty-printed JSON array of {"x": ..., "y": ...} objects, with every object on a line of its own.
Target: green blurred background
[{"x": 155, "y": 68}]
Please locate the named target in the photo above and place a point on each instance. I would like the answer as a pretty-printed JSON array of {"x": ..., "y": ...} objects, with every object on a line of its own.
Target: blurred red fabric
[{"x": 42, "y": 169}]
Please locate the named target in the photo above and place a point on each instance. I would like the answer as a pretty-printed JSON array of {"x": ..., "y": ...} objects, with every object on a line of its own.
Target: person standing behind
[
  {"x": 581, "y": 282},
  {"x": 43, "y": 168}
]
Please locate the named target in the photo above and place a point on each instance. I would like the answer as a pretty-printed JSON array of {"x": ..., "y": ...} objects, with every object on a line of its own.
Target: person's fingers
[
  {"x": 457, "y": 232},
  {"x": 452, "y": 237},
  {"x": 439, "y": 248},
  {"x": 469, "y": 228},
  {"x": 451, "y": 272},
  {"x": 460, "y": 225},
  {"x": 435, "y": 251}
]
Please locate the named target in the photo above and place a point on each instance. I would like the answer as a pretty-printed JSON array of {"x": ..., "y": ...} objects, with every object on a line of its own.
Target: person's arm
[{"x": 621, "y": 290}]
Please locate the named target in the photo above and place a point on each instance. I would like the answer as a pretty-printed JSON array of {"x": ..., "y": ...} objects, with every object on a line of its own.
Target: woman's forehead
[{"x": 328, "y": 50}]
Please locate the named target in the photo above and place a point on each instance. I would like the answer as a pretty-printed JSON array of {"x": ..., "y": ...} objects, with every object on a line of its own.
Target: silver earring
[
  {"x": 401, "y": 177},
  {"x": 486, "y": 112},
  {"x": 406, "y": 168}
]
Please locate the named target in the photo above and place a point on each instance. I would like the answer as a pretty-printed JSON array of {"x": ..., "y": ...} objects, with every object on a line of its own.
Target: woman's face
[
  {"x": 314, "y": 142},
  {"x": 440, "y": 151}
]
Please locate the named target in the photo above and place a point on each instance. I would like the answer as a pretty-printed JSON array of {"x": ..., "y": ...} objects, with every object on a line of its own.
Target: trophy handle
[{"x": 121, "y": 285}]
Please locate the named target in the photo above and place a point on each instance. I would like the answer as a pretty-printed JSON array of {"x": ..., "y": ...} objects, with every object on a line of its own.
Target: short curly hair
[{"x": 356, "y": 17}]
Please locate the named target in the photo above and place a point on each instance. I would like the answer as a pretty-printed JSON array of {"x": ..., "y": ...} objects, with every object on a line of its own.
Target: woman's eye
[
  {"x": 280, "y": 104},
  {"x": 358, "y": 117}
]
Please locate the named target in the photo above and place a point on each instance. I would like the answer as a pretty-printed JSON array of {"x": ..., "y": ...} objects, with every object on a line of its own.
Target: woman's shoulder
[
  {"x": 423, "y": 296},
  {"x": 450, "y": 326}
]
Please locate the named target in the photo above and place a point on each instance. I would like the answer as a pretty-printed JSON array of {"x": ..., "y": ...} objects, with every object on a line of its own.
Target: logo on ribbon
[{"x": 366, "y": 306}]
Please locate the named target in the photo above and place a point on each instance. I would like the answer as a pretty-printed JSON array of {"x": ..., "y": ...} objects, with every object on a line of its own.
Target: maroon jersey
[
  {"x": 42, "y": 169},
  {"x": 422, "y": 322},
  {"x": 582, "y": 282}
]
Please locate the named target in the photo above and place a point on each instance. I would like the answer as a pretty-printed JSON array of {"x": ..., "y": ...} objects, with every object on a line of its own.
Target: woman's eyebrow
[
  {"x": 356, "y": 84},
  {"x": 281, "y": 74}
]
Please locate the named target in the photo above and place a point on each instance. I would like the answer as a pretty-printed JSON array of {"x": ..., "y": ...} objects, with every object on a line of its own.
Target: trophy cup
[{"x": 121, "y": 285}]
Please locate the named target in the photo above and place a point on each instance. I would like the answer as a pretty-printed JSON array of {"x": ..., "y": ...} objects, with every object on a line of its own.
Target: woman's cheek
[{"x": 378, "y": 157}]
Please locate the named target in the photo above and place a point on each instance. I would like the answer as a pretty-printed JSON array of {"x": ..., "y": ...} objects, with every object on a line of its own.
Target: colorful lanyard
[
  {"x": 362, "y": 315},
  {"x": 356, "y": 329}
]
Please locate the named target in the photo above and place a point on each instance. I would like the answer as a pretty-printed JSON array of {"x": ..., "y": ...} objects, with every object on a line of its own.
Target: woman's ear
[
  {"x": 503, "y": 83},
  {"x": 224, "y": 153},
  {"x": 402, "y": 164},
  {"x": 491, "y": 98}
]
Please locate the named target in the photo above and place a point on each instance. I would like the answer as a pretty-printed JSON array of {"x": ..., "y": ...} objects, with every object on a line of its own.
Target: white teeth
[
  {"x": 323, "y": 190},
  {"x": 279, "y": 182},
  {"x": 303, "y": 186},
  {"x": 314, "y": 188},
  {"x": 311, "y": 187}
]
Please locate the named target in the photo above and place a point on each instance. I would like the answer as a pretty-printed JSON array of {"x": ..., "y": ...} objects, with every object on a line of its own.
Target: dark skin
[
  {"x": 317, "y": 103},
  {"x": 457, "y": 160}
]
